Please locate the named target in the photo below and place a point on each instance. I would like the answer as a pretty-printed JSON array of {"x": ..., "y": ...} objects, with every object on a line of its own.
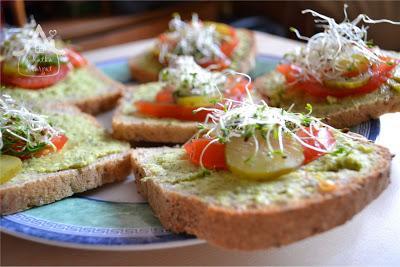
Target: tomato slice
[
  {"x": 379, "y": 75},
  {"x": 75, "y": 58},
  {"x": 46, "y": 78},
  {"x": 58, "y": 141},
  {"x": 324, "y": 139},
  {"x": 165, "y": 96},
  {"x": 228, "y": 47},
  {"x": 214, "y": 154}
]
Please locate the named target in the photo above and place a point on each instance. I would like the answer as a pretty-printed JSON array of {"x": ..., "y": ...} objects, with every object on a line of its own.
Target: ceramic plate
[{"x": 114, "y": 217}]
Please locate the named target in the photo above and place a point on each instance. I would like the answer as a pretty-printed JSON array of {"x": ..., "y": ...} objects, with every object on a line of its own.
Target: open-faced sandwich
[
  {"x": 345, "y": 78},
  {"x": 53, "y": 154},
  {"x": 261, "y": 177},
  {"x": 37, "y": 69},
  {"x": 214, "y": 45},
  {"x": 165, "y": 111}
]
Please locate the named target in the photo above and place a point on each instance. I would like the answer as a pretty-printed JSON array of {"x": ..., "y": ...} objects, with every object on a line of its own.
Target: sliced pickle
[
  {"x": 357, "y": 63},
  {"x": 10, "y": 166},
  {"x": 197, "y": 101},
  {"x": 394, "y": 84},
  {"x": 262, "y": 165},
  {"x": 348, "y": 83}
]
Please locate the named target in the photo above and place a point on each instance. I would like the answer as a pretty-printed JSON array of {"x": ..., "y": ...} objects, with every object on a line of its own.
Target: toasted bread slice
[
  {"x": 339, "y": 113},
  {"x": 145, "y": 67},
  {"x": 32, "y": 187},
  {"x": 247, "y": 215},
  {"x": 87, "y": 88}
]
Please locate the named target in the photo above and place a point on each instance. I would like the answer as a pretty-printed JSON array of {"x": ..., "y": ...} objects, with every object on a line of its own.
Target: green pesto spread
[
  {"x": 79, "y": 83},
  {"x": 86, "y": 144},
  {"x": 274, "y": 86},
  {"x": 173, "y": 171}
]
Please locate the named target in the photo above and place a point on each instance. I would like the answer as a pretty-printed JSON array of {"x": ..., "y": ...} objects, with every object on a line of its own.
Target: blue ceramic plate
[{"x": 114, "y": 217}]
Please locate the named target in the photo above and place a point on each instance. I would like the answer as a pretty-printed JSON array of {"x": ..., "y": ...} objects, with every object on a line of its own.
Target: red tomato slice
[
  {"x": 75, "y": 58},
  {"x": 324, "y": 139},
  {"x": 379, "y": 75},
  {"x": 45, "y": 79},
  {"x": 165, "y": 96},
  {"x": 58, "y": 141},
  {"x": 228, "y": 47},
  {"x": 213, "y": 157}
]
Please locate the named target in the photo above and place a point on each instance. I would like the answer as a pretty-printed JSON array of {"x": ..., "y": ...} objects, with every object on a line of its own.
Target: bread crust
[
  {"x": 271, "y": 226},
  {"x": 143, "y": 75},
  {"x": 141, "y": 129},
  {"x": 45, "y": 188},
  {"x": 350, "y": 117},
  {"x": 102, "y": 102}
]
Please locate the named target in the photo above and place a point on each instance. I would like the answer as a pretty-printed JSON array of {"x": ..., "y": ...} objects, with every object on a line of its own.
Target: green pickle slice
[
  {"x": 348, "y": 83},
  {"x": 242, "y": 160}
]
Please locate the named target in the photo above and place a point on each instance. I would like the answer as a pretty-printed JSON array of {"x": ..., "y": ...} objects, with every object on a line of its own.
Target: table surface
[{"x": 371, "y": 237}]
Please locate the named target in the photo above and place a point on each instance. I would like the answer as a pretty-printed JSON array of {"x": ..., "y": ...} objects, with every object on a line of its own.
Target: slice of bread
[
  {"x": 247, "y": 215},
  {"x": 131, "y": 126},
  {"x": 339, "y": 113},
  {"x": 145, "y": 67},
  {"x": 34, "y": 188},
  {"x": 87, "y": 88}
]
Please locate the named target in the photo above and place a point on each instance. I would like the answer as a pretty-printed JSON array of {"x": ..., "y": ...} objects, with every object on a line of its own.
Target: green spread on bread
[
  {"x": 173, "y": 169},
  {"x": 49, "y": 141},
  {"x": 79, "y": 83},
  {"x": 86, "y": 143}
]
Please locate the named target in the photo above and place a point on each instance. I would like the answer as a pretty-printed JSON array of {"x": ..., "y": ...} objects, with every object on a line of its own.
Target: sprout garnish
[
  {"x": 192, "y": 38},
  {"x": 23, "y": 132},
  {"x": 323, "y": 56},
  {"x": 188, "y": 78}
]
